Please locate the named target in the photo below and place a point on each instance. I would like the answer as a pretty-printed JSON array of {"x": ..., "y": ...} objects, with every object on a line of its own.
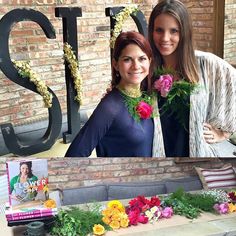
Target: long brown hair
[
  {"x": 123, "y": 40},
  {"x": 187, "y": 64}
]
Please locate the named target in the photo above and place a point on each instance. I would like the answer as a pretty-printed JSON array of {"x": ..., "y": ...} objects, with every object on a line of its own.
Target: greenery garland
[
  {"x": 74, "y": 69},
  {"x": 120, "y": 19},
  {"x": 25, "y": 71}
]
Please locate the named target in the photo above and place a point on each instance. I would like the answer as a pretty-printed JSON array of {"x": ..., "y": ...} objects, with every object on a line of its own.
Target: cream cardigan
[{"x": 214, "y": 103}]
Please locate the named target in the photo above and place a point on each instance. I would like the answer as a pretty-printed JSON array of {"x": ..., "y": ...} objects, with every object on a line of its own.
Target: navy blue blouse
[{"x": 113, "y": 132}]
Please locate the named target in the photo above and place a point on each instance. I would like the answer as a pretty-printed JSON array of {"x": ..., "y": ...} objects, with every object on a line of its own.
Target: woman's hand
[{"x": 214, "y": 135}]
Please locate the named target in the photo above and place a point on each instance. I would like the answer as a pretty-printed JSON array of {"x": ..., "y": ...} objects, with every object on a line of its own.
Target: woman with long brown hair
[{"x": 197, "y": 121}]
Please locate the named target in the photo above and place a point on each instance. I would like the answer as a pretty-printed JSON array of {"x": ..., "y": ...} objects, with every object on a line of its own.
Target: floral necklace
[
  {"x": 175, "y": 91},
  {"x": 139, "y": 104}
]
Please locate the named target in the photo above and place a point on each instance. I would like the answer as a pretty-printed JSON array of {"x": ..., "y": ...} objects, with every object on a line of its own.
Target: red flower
[
  {"x": 155, "y": 201},
  {"x": 232, "y": 196},
  {"x": 136, "y": 209},
  {"x": 144, "y": 110}
]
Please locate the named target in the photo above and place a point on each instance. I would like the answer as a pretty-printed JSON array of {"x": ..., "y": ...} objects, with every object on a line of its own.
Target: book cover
[{"x": 27, "y": 183}]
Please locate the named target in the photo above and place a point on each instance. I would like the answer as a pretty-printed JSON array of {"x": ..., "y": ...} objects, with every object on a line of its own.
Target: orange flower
[
  {"x": 106, "y": 220},
  {"x": 50, "y": 203},
  {"x": 107, "y": 212},
  {"x": 232, "y": 207},
  {"x": 98, "y": 229},
  {"x": 115, "y": 224}
]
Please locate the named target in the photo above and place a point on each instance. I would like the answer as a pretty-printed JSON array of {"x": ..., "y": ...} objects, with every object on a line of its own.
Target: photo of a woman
[{"x": 21, "y": 185}]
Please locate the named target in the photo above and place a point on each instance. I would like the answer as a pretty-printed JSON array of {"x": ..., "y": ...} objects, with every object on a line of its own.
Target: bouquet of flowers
[
  {"x": 114, "y": 215},
  {"x": 143, "y": 210},
  {"x": 176, "y": 92}
]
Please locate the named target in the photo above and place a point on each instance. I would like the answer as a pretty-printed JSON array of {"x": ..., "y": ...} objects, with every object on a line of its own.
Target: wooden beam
[{"x": 219, "y": 16}]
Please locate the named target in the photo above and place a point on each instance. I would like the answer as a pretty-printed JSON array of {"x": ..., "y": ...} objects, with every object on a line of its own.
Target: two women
[
  {"x": 201, "y": 117},
  {"x": 122, "y": 124}
]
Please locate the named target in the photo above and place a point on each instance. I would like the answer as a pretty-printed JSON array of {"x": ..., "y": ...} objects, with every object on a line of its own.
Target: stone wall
[{"x": 75, "y": 172}]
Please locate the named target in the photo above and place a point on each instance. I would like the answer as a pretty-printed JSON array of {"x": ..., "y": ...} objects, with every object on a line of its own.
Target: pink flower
[
  {"x": 143, "y": 219},
  {"x": 144, "y": 110},
  {"x": 133, "y": 217},
  {"x": 167, "y": 212},
  {"x": 221, "y": 208},
  {"x": 164, "y": 84}
]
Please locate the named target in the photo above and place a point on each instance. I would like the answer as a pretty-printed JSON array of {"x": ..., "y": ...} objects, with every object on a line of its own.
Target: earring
[{"x": 117, "y": 74}]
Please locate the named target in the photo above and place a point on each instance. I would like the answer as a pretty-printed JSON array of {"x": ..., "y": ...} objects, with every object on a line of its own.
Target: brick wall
[
  {"x": 75, "y": 172},
  {"x": 230, "y": 31},
  {"x": 28, "y": 42}
]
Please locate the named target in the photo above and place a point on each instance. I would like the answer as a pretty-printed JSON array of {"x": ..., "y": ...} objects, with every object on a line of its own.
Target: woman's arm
[{"x": 94, "y": 130}]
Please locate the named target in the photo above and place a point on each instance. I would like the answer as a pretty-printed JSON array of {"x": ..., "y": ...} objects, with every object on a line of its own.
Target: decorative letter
[
  {"x": 69, "y": 16},
  {"x": 13, "y": 143}
]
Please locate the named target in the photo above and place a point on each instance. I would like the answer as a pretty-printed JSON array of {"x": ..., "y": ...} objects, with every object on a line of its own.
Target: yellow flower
[
  {"x": 115, "y": 211},
  {"x": 115, "y": 204},
  {"x": 106, "y": 220},
  {"x": 232, "y": 207},
  {"x": 115, "y": 217},
  {"x": 98, "y": 229},
  {"x": 115, "y": 224},
  {"x": 50, "y": 203},
  {"x": 124, "y": 222}
]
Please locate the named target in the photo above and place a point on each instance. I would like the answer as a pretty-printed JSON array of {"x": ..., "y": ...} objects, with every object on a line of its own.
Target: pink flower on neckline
[{"x": 144, "y": 110}]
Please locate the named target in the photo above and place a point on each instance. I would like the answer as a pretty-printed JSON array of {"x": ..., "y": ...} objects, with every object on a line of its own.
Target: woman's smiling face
[
  {"x": 133, "y": 65},
  {"x": 166, "y": 34},
  {"x": 24, "y": 169}
]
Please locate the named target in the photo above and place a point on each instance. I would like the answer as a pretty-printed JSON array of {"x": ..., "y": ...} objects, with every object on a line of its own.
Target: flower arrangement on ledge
[
  {"x": 25, "y": 71},
  {"x": 74, "y": 69},
  {"x": 98, "y": 219},
  {"x": 120, "y": 18}
]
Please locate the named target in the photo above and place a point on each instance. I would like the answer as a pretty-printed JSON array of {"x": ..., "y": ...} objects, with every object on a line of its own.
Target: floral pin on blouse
[
  {"x": 139, "y": 104},
  {"x": 175, "y": 91}
]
